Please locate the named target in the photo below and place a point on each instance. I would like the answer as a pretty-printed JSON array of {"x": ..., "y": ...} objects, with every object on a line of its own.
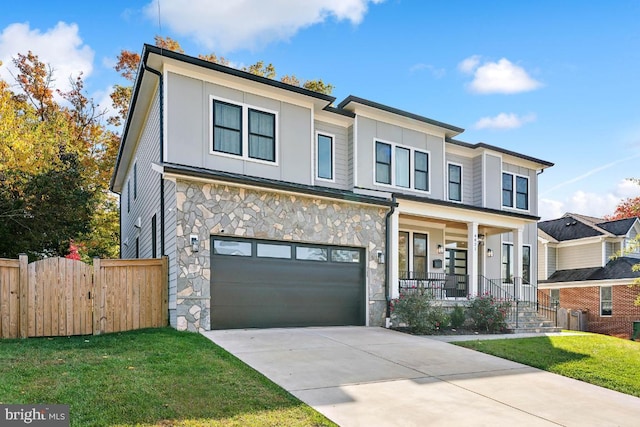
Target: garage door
[{"x": 267, "y": 284}]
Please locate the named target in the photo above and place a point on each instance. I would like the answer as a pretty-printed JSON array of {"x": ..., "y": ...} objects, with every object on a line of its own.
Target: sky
[{"x": 556, "y": 80}]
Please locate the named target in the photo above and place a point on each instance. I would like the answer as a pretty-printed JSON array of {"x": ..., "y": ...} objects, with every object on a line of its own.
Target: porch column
[
  {"x": 472, "y": 257},
  {"x": 393, "y": 254},
  {"x": 517, "y": 260}
]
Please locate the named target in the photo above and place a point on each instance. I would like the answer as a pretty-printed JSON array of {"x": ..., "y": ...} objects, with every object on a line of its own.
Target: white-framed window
[
  {"x": 325, "y": 156},
  {"x": 401, "y": 166},
  {"x": 515, "y": 191},
  {"x": 606, "y": 300},
  {"x": 454, "y": 178},
  {"x": 240, "y": 130},
  {"x": 413, "y": 254}
]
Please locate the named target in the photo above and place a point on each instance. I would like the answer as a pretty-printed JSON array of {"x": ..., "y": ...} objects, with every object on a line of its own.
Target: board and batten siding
[
  {"x": 145, "y": 201},
  {"x": 493, "y": 184},
  {"x": 350, "y": 162},
  {"x": 581, "y": 256},
  {"x": 189, "y": 124},
  {"x": 341, "y": 155},
  {"x": 369, "y": 131},
  {"x": 467, "y": 176}
]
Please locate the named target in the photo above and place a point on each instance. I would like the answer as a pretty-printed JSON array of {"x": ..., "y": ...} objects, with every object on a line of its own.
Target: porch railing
[{"x": 440, "y": 285}]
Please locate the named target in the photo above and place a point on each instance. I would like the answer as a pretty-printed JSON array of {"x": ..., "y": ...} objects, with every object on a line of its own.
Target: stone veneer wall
[{"x": 214, "y": 209}]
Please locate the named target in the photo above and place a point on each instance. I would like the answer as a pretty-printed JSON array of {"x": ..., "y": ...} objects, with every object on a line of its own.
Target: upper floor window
[
  {"x": 325, "y": 156},
  {"x": 394, "y": 166},
  {"x": 243, "y": 131},
  {"x": 606, "y": 301},
  {"x": 421, "y": 171},
  {"x": 515, "y": 191},
  {"x": 455, "y": 182}
]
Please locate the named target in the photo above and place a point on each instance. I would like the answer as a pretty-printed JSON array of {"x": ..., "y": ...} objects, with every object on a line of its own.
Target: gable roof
[
  {"x": 618, "y": 268},
  {"x": 573, "y": 226}
]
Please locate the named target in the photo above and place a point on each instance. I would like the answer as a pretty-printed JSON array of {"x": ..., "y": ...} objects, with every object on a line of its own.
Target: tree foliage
[
  {"x": 627, "y": 208},
  {"x": 55, "y": 160}
]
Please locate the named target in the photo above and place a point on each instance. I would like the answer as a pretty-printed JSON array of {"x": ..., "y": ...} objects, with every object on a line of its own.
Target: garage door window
[
  {"x": 266, "y": 250},
  {"x": 230, "y": 247},
  {"x": 307, "y": 253},
  {"x": 345, "y": 255}
]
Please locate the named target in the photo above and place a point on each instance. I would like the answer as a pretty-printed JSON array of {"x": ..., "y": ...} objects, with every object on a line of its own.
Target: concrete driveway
[{"x": 359, "y": 376}]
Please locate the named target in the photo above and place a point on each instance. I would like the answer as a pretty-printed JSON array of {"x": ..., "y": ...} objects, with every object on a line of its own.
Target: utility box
[
  {"x": 578, "y": 320},
  {"x": 636, "y": 331}
]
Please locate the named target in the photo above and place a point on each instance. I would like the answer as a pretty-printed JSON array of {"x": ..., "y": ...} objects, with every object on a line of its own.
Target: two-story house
[
  {"x": 586, "y": 264},
  {"x": 277, "y": 208}
]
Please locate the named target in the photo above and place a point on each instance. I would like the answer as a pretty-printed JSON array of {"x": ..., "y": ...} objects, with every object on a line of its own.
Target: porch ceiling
[{"x": 451, "y": 226}]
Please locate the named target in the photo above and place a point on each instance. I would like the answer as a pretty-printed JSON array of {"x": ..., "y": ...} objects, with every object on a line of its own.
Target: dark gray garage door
[{"x": 267, "y": 284}]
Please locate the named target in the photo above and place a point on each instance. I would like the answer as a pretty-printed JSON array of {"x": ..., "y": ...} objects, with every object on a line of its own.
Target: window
[
  {"x": 227, "y": 128},
  {"x": 606, "y": 301},
  {"x": 526, "y": 265},
  {"x": 135, "y": 180},
  {"x": 455, "y": 182},
  {"x": 402, "y": 167},
  {"x": 419, "y": 253},
  {"x": 311, "y": 254},
  {"x": 421, "y": 171},
  {"x": 383, "y": 163},
  {"x": 325, "y": 156},
  {"x": 262, "y": 135},
  {"x": 229, "y": 247},
  {"x": 154, "y": 237},
  {"x": 507, "y": 263},
  {"x": 403, "y": 254},
  {"x": 345, "y": 255},
  {"x": 393, "y": 166},
  {"x": 521, "y": 199},
  {"x": 555, "y": 296},
  {"x": 267, "y": 250}
]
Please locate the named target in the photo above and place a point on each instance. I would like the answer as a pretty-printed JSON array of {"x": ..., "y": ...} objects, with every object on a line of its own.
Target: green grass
[
  {"x": 153, "y": 377},
  {"x": 606, "y": 361}
]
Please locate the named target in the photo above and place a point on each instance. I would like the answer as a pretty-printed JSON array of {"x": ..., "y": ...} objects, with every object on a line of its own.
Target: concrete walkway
[{"x": 359, "y": 376}]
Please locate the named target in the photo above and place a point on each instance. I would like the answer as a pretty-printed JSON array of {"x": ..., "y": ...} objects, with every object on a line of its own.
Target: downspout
[
  {"x": 161, "y": 89},
  {"x": 387, "y": 258}
]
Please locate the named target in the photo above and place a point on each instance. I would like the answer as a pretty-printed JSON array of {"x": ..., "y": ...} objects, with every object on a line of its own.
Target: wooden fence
[{"x": 64, "y": 297}]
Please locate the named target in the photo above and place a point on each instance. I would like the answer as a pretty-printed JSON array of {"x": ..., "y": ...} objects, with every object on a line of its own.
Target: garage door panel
[{"x": 273, "y": 292}]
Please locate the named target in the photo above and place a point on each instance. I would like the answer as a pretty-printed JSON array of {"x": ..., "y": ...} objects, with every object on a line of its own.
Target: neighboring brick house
[
  {"x": 578, "y": 267},
  {"x": 277, "y": 207}
]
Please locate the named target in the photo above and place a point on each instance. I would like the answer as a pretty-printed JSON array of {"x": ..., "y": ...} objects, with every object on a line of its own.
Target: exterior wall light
[
  {"x": 380, "y": 256},
  {"x": 440, "y": 249},
  {"x": 490, "y": 253}
]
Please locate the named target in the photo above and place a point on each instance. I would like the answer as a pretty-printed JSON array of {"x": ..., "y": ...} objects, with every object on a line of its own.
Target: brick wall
[{"x": 619, "y": 324}]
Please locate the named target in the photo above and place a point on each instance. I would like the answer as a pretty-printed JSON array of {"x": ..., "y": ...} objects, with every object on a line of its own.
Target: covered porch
[{"x": 457, "y": 251}]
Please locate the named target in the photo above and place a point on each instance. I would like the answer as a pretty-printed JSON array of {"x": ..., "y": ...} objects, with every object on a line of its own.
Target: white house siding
[
  {"x": 170, "y": 244},
  {"x": 467, "y": 176},
  {"x": 147, "y": 201},
  {"x": 341, "y": 159},
  {"x": 581, "y": 256},
  {"x": 543, "y": 264},
  {"x": 477, "y": 182},
  {"x": 552, "y": 260}
]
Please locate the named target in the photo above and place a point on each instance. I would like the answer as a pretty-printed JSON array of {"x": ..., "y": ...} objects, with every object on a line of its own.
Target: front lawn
[
  {"x": 157, "y": 377},
  {"x": 602, "y": 360}
]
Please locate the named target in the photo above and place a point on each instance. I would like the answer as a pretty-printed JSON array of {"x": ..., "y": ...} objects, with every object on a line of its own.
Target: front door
[{"x": 455, "y": 268}]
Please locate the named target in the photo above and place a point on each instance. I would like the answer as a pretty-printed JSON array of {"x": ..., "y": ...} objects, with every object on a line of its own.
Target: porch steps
[{"x": 529, "y": 320}]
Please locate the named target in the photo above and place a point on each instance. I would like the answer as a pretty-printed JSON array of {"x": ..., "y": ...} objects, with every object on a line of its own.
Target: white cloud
[
  {"x": 60, "y": 47},
  {"x": 588, "y": 203},
  {"x": 436, "y": 72},
  {"x": 497, "y": 77},
  {"x": 504, "y": 121},
  {"x": 250, "y": 24}
]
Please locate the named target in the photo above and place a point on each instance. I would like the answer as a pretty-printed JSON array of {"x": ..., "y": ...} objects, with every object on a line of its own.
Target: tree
[
  {"x": 627, "y": 208},
  {"x": 55, "y": 163}
]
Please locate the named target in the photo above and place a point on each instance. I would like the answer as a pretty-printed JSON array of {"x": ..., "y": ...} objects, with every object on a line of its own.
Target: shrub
[
  {"x": 487, "y": 313},
  {"x": 457, "y": 317},
  {"x": 419, "y": 312}
]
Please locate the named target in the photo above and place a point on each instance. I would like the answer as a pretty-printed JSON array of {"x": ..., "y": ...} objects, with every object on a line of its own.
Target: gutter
[
  {"x": 161, "y": 89},
  {"x": 387, "y": 258}
]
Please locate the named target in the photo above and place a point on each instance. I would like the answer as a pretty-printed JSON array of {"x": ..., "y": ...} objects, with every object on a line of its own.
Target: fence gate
[{"x": 64, "y": 297}]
